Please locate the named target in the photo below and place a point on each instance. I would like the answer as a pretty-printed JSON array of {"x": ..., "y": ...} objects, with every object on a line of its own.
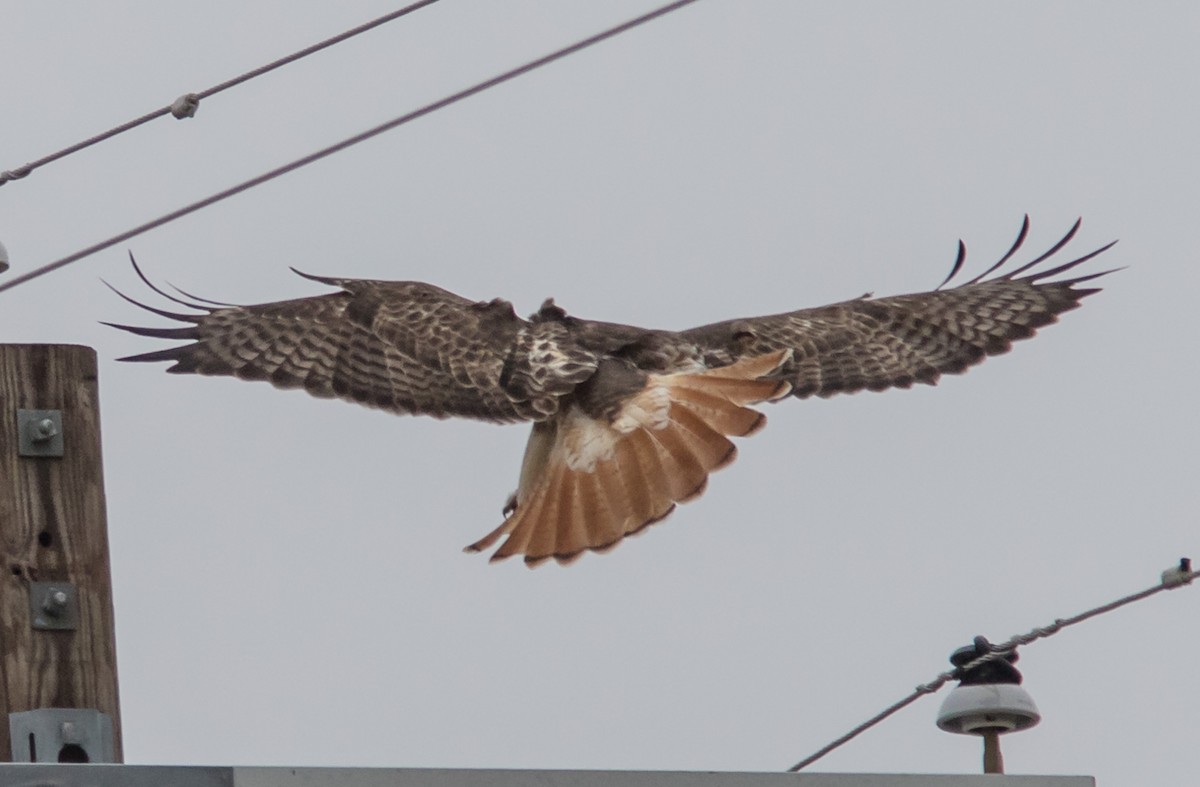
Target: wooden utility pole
[{"x": 57, "y": 648}]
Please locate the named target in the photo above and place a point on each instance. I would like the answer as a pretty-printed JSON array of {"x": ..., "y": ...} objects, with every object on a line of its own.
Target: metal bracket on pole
[
  {"x": 61, "y": 735},
  {"x": 41, "y": 432},
  {"x": 53, "y": 606}
]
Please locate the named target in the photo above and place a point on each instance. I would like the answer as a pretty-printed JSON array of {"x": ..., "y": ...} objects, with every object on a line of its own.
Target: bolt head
[{"x": 55, "y": 603}]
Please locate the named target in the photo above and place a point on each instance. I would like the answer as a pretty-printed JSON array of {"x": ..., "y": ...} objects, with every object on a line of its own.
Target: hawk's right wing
[{"x": 406, "y": 347}]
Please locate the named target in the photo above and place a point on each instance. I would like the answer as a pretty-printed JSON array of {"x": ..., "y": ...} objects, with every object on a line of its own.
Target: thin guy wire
[
  {"x": 997, "y": 651},
  {"x": 357, "y": 138},
  {"x": 192, "y": 99}
]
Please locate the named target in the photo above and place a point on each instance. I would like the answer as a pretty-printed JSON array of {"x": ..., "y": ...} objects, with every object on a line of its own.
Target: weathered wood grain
[{"x": 53, "y": 527}]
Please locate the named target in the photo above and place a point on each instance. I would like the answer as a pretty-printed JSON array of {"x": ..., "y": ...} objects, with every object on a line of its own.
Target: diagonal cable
[
  {"x": 1171, "y": 578},
  {"x": 185, "y": 106},
  {"x": 346, "y": 143}
]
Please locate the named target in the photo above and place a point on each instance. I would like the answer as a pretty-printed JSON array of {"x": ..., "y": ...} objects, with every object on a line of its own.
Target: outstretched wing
[
  {"x": 406, "y": 347},
  {"x": 882, "y": 343}
]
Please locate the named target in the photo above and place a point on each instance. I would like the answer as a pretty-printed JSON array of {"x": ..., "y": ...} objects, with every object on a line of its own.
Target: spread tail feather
[{"x": 587, "y": 484}]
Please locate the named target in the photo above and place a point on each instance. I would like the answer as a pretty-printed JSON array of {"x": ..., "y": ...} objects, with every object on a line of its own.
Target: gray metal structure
[
  {"x": 54, "y": 735},
  {"x": 41, "y": 432},
  {"x": 161, "y": 775}
]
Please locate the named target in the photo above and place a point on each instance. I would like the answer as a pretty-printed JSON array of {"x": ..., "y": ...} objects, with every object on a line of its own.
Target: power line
[
  {"x": 1171, "y": 578},
  {"x": 346, "y": 143},
  {"x": 185, "y": 106}
]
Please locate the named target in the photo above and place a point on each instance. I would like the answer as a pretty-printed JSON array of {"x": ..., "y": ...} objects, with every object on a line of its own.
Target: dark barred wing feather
[
  {"x": 405, "y": 347},
  {"x": 875, "y": 344}
]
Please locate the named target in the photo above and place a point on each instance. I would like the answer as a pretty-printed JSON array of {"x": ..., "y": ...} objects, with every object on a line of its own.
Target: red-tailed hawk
[{"x": 627, "y": 421}]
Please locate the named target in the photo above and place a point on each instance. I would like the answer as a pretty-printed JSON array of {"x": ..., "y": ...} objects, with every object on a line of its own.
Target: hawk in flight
[{"x": 627, "y": 421}]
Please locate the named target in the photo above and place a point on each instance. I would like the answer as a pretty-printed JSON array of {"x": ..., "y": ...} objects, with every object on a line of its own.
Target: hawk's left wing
[{"x": 879, "y": 343}]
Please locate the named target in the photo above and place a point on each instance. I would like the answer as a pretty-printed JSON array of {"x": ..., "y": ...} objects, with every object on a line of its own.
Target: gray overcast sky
[{"x": 288, "y": 580}]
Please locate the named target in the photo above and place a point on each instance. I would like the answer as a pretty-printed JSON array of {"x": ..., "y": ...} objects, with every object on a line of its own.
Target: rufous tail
[{"x": 600, "y": 482}]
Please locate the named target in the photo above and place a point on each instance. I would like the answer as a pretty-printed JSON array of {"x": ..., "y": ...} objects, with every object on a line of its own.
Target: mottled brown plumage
[{"x": 627, "y": 421}]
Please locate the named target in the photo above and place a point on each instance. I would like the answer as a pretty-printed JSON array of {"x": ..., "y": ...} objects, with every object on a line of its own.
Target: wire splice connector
[
  {"x": 1181, "y": 574},
  {"x": 185, "y": 106}
]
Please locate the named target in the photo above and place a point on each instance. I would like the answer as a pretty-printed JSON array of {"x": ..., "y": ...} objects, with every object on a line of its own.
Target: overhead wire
[
  {"x": 185, "y": 106},
  {"x": 478, "y": 87},
  {"x": 1174, "y": 577}
]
